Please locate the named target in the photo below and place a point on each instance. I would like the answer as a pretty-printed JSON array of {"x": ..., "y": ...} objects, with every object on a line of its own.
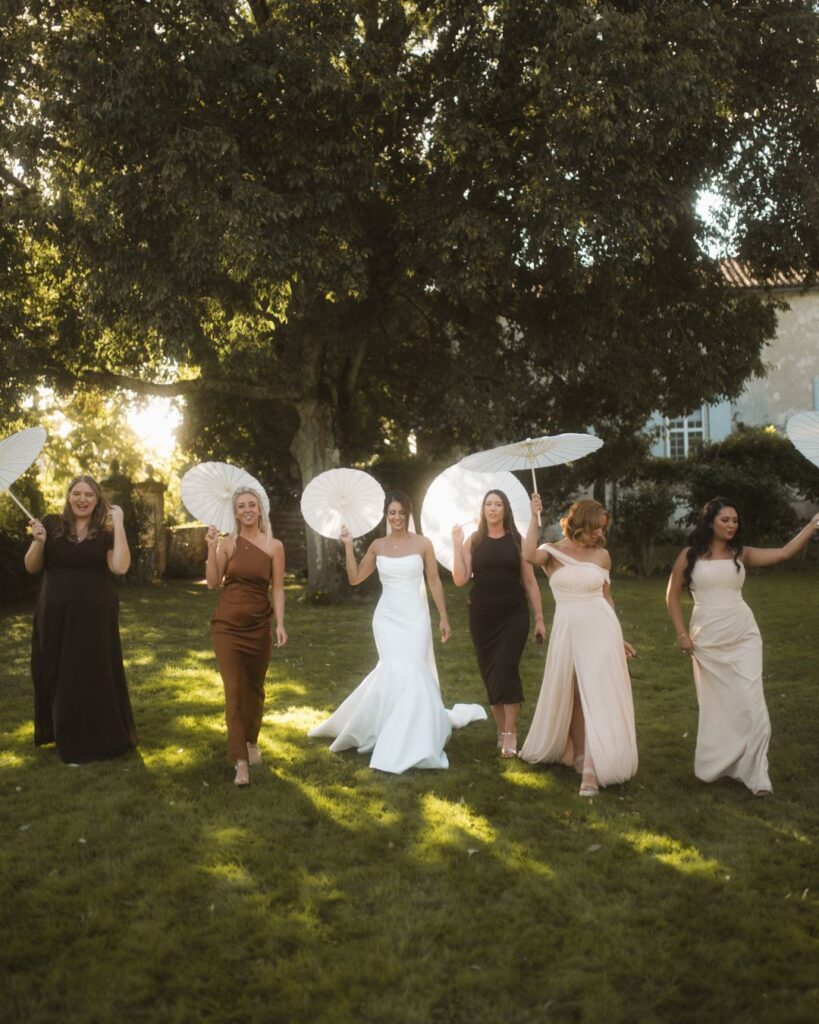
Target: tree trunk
[{"x": 314, "y": 449}]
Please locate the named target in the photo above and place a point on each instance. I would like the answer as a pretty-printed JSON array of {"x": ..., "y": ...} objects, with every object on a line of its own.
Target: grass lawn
[{"x": 150, "y": 889}]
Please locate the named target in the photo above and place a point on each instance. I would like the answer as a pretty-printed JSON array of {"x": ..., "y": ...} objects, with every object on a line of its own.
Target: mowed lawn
[{"x": 150, "y": 889}]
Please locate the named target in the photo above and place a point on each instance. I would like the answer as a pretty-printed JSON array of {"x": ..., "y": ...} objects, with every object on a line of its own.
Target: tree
[{"x": 471, "y": 220}]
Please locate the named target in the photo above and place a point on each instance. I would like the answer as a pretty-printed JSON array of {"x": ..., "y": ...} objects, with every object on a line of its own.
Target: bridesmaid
[
  {"x": 584, "y": 715},
  {"x": 498, "y": 616},
  {"x": 734, "y": 728},
  {"x": 80, "y": 694},
  {"x": 249, "y": 560}
]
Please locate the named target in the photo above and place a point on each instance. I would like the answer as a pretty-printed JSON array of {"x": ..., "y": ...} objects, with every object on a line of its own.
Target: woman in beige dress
[
  {"x": 734, "y": 729},
  {"x": 584, "y": 715}
]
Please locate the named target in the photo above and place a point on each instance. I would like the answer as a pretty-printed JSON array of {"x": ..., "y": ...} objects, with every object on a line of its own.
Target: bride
[{"x": 397, "y": 713}]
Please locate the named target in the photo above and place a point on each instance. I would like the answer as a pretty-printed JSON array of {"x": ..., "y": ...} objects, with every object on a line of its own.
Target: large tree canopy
[{"x": 465, "y": 219}]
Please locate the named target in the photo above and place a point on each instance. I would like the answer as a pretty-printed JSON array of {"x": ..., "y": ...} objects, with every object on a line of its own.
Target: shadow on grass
[{"x": 150, "y": 889}]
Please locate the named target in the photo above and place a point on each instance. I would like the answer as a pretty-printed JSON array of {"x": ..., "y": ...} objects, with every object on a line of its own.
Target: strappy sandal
[
  {"x": 509, "y": 749},
  {"x": 254, "y": 755},
  {"x": 589, "y": 787},
  {"x": 242, "y": 774}
]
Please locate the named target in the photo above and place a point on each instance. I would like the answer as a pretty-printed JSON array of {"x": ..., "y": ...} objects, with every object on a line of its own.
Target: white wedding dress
[{"x": 397, "y": 712}]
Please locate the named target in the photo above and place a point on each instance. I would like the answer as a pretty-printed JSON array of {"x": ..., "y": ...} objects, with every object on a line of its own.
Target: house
[{"x": 791, "y": 386}]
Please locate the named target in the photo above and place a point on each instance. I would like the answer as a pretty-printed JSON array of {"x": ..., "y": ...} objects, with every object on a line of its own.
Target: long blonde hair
[{"x": 264, "y": 521}]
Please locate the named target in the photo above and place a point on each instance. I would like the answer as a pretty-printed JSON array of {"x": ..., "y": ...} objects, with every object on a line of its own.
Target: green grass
[{"x": 149, "y": 889}]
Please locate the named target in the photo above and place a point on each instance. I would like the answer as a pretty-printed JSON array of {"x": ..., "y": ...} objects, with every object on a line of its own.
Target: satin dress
[
  {"x": 586, "y": 643},
  {"x": 396, "y": 714},
  {"x": 242, "y": 638},
  {"x": 734, "y": 728}
]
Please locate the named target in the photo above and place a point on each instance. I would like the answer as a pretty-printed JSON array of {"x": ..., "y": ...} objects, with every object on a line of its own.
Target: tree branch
[
  {"x": 260, "y": 11},
  {"x": 179, "y": 388}
]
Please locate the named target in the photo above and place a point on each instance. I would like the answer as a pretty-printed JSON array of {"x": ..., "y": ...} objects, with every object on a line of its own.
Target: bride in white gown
[{"x": 397, "y": 713}]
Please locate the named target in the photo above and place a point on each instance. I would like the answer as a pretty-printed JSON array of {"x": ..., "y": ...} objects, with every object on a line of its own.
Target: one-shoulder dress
[
  {"x": 80, "y": 694},
  {"x": 396, "y": 714},
  {"x": 586, "y": 643},
  {"x": 734, "y": 728},
  {"x": 242, "y": 641}
]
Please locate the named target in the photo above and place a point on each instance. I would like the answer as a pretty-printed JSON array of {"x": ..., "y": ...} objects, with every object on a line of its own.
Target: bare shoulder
[
  {"x": 605, "y": 559},
  {"x": 276, "y": 547},
  {"x": 423, "y": 544},
  {"x": 227, "y": 545}
]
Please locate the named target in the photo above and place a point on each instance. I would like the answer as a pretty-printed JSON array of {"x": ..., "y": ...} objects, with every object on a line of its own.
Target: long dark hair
[
  {"x": 703, "y": 534},
  {"x": 508, "y": 521},
  {"x": 65, "y": 526}
]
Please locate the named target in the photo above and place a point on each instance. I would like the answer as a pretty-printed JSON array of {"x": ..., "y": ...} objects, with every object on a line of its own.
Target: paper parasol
[
  {"x": 803, "y": 431},
  {"x": 17, "y": 453},
  {"x": 455, "y": 496},
  {"x": 348, "y": 497},
  {"x": 533, "y": 453},
  {"x": 207, "y": 493}
]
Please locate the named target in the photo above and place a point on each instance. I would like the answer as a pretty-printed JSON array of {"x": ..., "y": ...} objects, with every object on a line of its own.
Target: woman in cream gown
[
  {"x": 734, "y": 729},
  {"x": 396, "y": 714},
  {"x": 584, "y": 715}
]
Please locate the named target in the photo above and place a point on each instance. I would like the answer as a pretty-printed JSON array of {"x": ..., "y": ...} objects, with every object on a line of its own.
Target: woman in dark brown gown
[
  {"x": 498, "y": 615},
  {"x": 80, "y": 694},
  {"x": 249, "y": 560}
]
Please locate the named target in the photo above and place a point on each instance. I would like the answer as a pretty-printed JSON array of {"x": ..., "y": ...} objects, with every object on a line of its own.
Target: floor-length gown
[
  {"x": 734, "y": 728},
  {"x": 586, "y": 643},
  {"x": 243, "y": 642},
  {"x": 80, "y": 694},
  {"x": 498, "y": 617},
  {"x": 397, "y": 712}
]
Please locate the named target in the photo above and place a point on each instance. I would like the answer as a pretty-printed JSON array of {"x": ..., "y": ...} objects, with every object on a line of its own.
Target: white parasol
[
  {"x": 455, "y": 496},
  {"x": 803, "y": 431},
  {"x": 17, "y": 453},
  {"x": 207, "y": 493},
  {"x": 348, "y": 497},
  {"x": 533, "y": 453}
]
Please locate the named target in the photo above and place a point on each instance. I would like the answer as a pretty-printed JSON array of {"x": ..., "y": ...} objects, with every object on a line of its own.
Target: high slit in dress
[{"x": 586, "y": 645}]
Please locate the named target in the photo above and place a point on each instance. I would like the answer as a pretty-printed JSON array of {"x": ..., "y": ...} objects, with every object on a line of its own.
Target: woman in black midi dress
[
  {"x": 498, "y": 613},
  {"x": 80, "y": 693}
]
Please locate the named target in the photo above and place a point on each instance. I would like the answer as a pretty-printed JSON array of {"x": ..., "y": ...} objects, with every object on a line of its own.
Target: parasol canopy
[
  {"x": 343, "y": 497},
  {"x": 207, "y": 493},
  {"x": 455, "y": 496},
  {"x": 803, "y": 431},
  {"x": 17, "y": 453}
]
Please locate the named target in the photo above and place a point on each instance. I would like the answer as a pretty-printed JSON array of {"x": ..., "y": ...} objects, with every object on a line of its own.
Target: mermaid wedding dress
[{"x": 397, "y": 713}]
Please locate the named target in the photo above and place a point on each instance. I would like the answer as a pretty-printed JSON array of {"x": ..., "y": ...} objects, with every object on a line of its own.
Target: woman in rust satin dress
[{"x": 249, "y": 560}]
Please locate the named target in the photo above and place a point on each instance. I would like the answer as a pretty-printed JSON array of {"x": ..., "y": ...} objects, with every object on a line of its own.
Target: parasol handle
[
  {"x": 534, "y": 491},
  {"x": 19, "y": 503}
]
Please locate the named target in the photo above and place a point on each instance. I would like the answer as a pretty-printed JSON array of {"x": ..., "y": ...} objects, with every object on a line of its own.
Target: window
[{"x": 685, "y": 434}]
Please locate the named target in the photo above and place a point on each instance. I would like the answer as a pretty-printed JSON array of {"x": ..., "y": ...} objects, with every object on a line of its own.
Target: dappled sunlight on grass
[
  {"x": 301, "y": 719},
  {"x": 529, "y": 780},
  {"x": 232, "y": 873},
  {"x": 449, "y": 825},
  {"x": 686, "y": 859},
  {"x": 346, "y": 806},
  {"x": 11, "y": 759},
  {"x": 279, "y": 690}
]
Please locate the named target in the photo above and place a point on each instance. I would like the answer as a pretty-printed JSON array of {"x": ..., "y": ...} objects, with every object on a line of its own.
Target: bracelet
[{"x": 684, "y": 633}]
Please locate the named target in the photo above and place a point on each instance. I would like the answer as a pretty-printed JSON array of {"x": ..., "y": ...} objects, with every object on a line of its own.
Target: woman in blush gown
[
  {"x": 584, "y": 715},
  {"x": 734, "y": 729},
  {"x": 396, "y": 714}
]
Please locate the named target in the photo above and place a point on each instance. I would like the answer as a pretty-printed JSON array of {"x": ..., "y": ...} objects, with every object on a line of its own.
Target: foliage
[
  {"x": 643, "y": 515},
  {"x": 148, "y": 889},
  {"x": 762, "y": 472},
  {"x": 474, "y": 221}
]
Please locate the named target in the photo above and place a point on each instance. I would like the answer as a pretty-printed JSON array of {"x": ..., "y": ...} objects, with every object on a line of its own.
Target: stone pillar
[{"x": 152, "y": 537}]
